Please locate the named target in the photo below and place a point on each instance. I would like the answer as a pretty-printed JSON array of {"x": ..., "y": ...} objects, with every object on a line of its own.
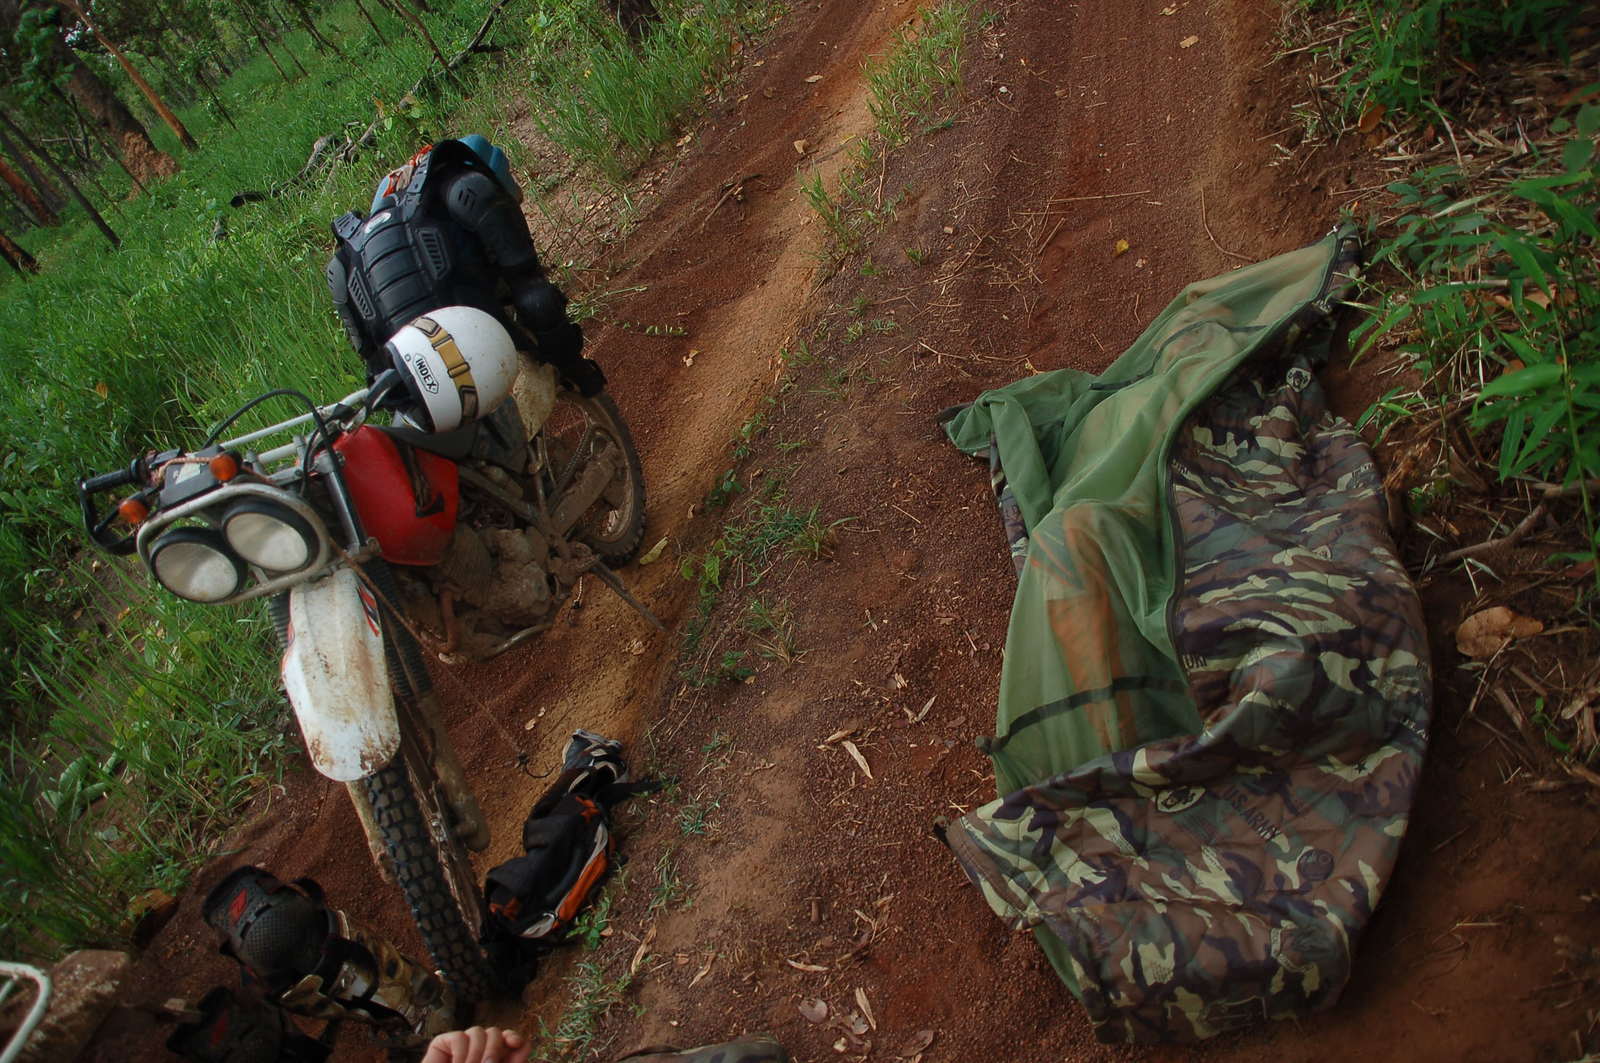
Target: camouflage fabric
[
  {"x": 757, "y": 1049},
  {"x": 1215, "y": 695}
]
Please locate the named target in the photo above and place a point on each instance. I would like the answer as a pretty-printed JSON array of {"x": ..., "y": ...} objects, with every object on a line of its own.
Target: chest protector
[{"x": 410, "y": 256}]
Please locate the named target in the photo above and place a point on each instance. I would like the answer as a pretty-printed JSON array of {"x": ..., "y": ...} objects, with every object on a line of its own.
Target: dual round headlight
[{"x": 209, "y": 564}]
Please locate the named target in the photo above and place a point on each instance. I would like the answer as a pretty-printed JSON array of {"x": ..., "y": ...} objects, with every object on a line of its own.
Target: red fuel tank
[{"x": 407, "y": 499}]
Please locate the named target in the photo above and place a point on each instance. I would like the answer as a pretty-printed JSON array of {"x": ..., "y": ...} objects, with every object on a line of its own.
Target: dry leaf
[
  {"x": 103, "y": 389},
  {"x": 636, "y": 647},
  {"x": 642, "y": 951},
  {"x": 926, "y": 705},
  {"x": 866, "y": 1009},
  {"x": 839, "y": 1046},
  {"x": 1371, "y": 117},
  {"x": 850, "y": 748},
  {"x": 800, "y": 146},
  {"x": 1579, "y": 703},
  {"x": 688, "y": 359},
  {"x": 813, "y": 79},
  {"x": 702, "y": 972},
  {"x": 846, "y": 733},
  {"x": 856, "y": 1026},
  {"x": 898, "y": 681},
  {"x": 814, "y": 1010},
  {"x": 1189, "y": 42},
  {"x": 1485, "y": 633},
  {"x": 812, "y": 967},
  {"x": 1173, "y": 10},
  {"x": 652, "y": 555},
  {"x": 918, "y": 1044},
  {"x": 1119, "y": 248}
]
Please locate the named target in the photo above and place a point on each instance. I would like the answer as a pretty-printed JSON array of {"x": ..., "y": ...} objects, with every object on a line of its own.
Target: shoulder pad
[{"x": 347, "y": 224}]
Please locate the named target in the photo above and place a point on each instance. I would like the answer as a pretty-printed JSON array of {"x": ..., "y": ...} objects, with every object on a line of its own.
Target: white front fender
[{"x": 337, "y": 679}]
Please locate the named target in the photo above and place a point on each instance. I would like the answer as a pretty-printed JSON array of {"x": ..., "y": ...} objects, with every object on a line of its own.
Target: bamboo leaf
[{"x": 1522, "y": 381}]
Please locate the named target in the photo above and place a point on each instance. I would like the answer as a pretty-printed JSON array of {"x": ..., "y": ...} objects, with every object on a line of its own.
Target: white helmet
[{"x": 459, "y": 364}]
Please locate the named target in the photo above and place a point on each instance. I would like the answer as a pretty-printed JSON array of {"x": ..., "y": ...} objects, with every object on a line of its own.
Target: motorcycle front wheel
[
  {"x": 578, "y": 432},
  {"x": 434, "y": 873}
]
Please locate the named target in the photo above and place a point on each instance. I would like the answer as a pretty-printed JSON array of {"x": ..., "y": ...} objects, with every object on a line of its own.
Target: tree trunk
[
  {"x": 309, "y": 24},
  {"x": 61, "y": 175},
  {"x": 262, "y": 37},
  {"x": 401, "y": 8},
  {"x": 31, "y": 201},
  {"x": 16, "y": 256},
  {"x": 371, "y": 22},
  {"x": 52, "y": 196},
  {"x": 99, "y": 138},
  {"x": 137, "y": 152},
  {"x": 216, "y": 101},
  {"x": 160, "y": 105}
]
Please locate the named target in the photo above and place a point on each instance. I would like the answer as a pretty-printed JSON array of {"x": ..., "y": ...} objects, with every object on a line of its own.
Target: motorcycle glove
[{"x": 562, "y": 347}]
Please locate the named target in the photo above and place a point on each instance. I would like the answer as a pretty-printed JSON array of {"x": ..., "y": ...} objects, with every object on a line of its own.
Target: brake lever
[{"x": 97, "y": 527}]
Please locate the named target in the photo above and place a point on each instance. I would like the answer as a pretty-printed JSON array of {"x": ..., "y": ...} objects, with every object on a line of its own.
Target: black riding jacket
[{"x": 454, "y": 237}]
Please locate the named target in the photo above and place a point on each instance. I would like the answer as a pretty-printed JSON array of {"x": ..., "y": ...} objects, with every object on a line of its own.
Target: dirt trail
[{"x": 1083, "y": 125}]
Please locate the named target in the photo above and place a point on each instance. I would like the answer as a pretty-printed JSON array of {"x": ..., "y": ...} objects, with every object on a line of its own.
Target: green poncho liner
[{"x": 1215, "y": 696}]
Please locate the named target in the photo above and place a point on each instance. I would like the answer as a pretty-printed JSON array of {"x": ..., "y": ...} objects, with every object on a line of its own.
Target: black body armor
[{"x": 454, "y": 236}]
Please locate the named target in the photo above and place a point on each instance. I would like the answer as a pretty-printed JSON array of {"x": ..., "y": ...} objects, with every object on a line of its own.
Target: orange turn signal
[
  {"x": 224, "y": 467},
  {"x": 133, "y": 510}
]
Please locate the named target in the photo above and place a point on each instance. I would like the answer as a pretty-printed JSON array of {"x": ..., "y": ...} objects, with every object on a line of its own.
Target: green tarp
[{"x": 1214, "y": 701}]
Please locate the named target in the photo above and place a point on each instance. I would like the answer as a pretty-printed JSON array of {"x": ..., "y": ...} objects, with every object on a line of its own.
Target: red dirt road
[{"x": 804, "y": 877}]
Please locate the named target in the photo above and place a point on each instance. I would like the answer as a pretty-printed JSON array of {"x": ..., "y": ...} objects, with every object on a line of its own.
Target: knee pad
[
  {"x": 318, "y": 962},
  {"x": 277, "y": 931}
]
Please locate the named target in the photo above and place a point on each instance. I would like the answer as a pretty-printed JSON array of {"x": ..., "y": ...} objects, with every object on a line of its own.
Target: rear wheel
[
  {"x": 579, "y": 433},
  {"x": 433, "y": 871}
]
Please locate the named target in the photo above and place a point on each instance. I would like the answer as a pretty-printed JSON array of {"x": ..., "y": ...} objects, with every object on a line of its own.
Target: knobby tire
[{"x": 404, "y": 832}]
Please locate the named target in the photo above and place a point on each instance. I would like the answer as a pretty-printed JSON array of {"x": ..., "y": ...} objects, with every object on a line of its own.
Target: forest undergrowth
[{"x": 1482, "y": 316}]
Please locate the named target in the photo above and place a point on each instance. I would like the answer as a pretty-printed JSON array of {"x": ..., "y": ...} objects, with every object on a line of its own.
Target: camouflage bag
[
  {"x": 1215, "y": 695},
  {"x": 759, "y": 1048}
]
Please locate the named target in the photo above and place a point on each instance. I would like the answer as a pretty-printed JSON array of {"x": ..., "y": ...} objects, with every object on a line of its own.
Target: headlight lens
[
  {"x": 269, "y": 535},
  {"x": 195, "y": 563}
]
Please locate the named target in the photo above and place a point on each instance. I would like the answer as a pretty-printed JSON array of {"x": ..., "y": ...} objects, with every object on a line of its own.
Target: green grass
[
  {"x": 920, "y": 73},
  {"x": 670, "y": 890},
  {"x": 1396, "y": 55},
  {"x": 1500, "y": 306},
  {"x": 594, "y": 995},
  {"x": 608, "y": 102},
  {"x": 911, "y": 90}
]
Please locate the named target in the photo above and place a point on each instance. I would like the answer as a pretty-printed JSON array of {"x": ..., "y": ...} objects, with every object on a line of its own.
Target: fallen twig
[
  {"x": 1207, "y": 225},
  {"x": 732, "y": 188},
  {"x": 1511, "y": 538}
]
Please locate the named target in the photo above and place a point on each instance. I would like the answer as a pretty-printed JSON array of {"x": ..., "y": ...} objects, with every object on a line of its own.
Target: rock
[{"x": 84, "y": 990}]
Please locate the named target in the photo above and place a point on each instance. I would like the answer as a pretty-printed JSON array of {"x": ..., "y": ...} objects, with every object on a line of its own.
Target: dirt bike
[{"x": 369, "y": 543}]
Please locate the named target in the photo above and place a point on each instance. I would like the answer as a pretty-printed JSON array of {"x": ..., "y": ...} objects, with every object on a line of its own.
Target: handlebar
[
  {"x": 97, "y": 527},
  {"x": 351, "y": 409}
]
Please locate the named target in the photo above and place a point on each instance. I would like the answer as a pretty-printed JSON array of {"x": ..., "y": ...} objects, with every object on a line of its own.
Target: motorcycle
[{"x": 371, "y": 542}]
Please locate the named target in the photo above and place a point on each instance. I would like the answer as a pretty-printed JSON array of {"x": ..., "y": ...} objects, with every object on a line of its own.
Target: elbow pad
[{"x": 480, "y": 206}]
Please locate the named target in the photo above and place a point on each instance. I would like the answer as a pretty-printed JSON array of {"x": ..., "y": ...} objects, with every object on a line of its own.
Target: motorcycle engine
[{"x": 502, "y": 572}]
